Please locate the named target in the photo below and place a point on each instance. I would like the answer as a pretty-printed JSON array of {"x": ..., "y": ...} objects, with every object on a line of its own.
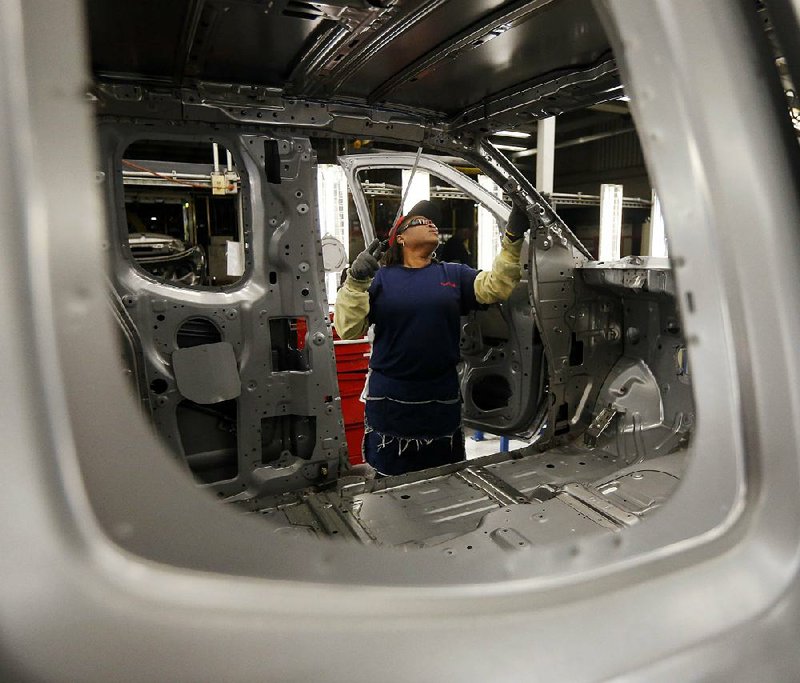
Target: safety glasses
[{"x": 414, "y": 222}]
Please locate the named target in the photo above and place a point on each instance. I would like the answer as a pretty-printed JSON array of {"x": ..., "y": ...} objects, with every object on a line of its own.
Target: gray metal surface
[
  {"x": 440, "y": 55},
  {"x": 117, "y": 567},
  {"x": 293, "y": 406},
  {"x": 643, "y": 411},
  {"x": 207, "y": 373},
  {"x": 561, "y": 494}
]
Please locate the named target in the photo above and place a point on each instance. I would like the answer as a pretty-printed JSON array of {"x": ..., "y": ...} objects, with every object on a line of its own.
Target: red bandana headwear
[{"x": 393, "y": 231}]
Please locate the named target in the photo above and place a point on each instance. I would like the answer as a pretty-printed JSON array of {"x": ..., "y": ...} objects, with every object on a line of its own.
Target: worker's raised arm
[
  {"x": 497, "y": 284},
  {"x": 351, "y": 310}
]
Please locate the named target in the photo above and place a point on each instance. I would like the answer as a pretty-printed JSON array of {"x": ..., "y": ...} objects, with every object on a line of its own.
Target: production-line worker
[{"x": 412, "y": 418}]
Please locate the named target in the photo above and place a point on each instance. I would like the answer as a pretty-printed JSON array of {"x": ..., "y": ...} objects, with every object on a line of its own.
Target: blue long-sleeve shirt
[{"x": 413, "y": 388}]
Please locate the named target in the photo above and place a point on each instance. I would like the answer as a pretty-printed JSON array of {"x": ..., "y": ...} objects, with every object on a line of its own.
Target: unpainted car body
[{"x": 508, "y": 568}]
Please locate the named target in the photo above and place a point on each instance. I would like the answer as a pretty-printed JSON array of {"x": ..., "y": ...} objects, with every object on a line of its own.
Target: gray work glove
[
  {"x": 518, "y": 224},
  {"x": 366, "y": 264}
]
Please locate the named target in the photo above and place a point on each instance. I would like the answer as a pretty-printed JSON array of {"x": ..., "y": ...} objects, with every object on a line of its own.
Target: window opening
[{"x": 183, "y": 212}]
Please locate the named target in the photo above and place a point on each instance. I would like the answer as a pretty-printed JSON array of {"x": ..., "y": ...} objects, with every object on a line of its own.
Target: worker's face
[{"x": 420, "y": 231}]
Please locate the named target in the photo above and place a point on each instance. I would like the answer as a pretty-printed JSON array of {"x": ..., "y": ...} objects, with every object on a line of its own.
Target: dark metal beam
[
  {"x": 500, "y": 20},
  {"x": 317, "y": 55},
  {"x": 339, "y": 44},
  {"x": 358, "y": 58},
  {"x": 540, "y": 99}
]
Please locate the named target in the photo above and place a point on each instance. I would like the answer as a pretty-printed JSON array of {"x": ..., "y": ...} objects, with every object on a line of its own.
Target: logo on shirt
[{"x": 449, "y": 284}]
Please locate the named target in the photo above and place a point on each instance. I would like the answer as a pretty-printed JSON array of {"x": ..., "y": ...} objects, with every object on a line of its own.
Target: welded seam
[{"x": 494, "y": 487}]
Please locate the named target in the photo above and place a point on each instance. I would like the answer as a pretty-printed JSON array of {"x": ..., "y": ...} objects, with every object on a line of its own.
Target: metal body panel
[
  {"x": 420, "y": 53},
  {"x": 634, "y": 387},
  {"x": 352, "y": 165},
  {"x": 122, "y": 568},
  {"x": 457, "y": 72},
  {"x": 453, "y": 509},
  {"x": 282, "y": 282}
]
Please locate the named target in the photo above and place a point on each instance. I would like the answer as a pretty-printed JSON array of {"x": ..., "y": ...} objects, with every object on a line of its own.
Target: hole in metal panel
[
  {"x": 209, "y": 439},
  {"x": 287, "y": 341},
  {"x": 575, "y": 351},
  {"x": 272, "y": 162},
  {"x": 302, "y": 10},
  {"x": 491, "y": 392},
  {"x": 196, "y": 332},
  {"x": 562, "y": 419},
  {"x": 158, "y": 385}
]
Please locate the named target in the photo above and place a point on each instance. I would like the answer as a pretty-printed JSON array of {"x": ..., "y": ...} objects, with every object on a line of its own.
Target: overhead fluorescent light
[
  {"x": 512, "y": 133},
  {"x": 624, "y": 98},
  {"x": 511, "y": 148},
  {"x": 489, "y": 235},
  {"x": 420, "y": 188}
]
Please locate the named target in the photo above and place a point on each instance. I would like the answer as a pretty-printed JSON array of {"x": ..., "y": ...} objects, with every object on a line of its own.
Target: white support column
[
  {"x": 420, "y": 188},
  {"x": 333, "y": 214},
  {"x": 610, "y": 222},
  {"x": 654, "y": 242},
  {"x": 545, "y": 154},
  {"x": 488, "y": 231}
]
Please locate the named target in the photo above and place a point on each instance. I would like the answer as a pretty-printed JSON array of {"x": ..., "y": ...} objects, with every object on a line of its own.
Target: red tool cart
[{"x": 352, "y": 360}]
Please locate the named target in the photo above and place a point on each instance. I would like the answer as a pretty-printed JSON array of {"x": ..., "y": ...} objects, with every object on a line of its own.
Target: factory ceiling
[{"x": 480, "y": 65}]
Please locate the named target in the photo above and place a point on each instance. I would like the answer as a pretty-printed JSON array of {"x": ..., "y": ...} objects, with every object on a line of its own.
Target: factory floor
[{"x": 488, "y": 445}]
